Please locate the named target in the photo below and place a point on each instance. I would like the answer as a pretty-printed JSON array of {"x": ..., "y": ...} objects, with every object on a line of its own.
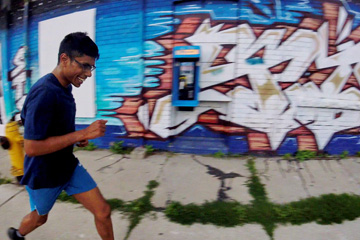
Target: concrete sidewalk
[{"x": 189, "y": 179}]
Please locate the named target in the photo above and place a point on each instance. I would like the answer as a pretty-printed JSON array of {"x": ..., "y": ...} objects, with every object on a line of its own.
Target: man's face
[{"x": 78, "y": 69}]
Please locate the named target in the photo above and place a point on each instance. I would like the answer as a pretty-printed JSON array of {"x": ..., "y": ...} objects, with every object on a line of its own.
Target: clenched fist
[{"x": 95, "y": 130}]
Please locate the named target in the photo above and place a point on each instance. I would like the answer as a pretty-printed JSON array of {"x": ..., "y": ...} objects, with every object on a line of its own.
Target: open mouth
[{"x": 81, "y": 79}]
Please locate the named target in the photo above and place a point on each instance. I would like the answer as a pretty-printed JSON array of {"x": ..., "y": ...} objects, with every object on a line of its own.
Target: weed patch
[
  {"x": 149, "y": 149},
  {"x": 305, "y": 155},
  {"x": 118, "y": 148},
  {"x": 90, "y": 147},
  {"x": 344, "y": 154},
  {"x": 219, "y": 154},
  {"x": 5, "y": 181}
]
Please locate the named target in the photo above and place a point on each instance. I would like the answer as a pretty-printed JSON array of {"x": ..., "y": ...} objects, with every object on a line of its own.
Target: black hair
[
  {"x": 78, "y": 44},
  {"x": 4, "y": 142}
]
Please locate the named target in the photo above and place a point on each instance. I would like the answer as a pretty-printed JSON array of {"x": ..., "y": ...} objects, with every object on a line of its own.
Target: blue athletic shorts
[{"x": 43, "y": 199}]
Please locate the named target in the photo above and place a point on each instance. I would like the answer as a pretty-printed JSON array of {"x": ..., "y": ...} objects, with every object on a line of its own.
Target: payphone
[{"x": 186, "y": 73}]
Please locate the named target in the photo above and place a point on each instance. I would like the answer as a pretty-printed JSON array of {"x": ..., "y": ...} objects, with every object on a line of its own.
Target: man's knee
[
  {"x": 103, "y": 211},
  {"x": 35, "y": 219},
  {"x": 42, "y": 220}
]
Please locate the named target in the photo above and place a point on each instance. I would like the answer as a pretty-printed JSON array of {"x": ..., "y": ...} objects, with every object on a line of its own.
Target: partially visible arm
[{"x": 52, "y": 144}]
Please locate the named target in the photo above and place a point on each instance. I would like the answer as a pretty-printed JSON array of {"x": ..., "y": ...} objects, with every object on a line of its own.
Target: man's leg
[
  {"x": 96, "y": 204},
  {"x": 31, "y": 221}
]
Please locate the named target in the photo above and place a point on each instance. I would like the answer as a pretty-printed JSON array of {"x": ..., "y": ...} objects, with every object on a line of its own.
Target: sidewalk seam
[{"x": 11, "y": 197}]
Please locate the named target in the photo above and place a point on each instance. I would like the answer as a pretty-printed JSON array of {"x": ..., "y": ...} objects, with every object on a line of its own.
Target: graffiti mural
[
  {"x": 284, "y": 81},
  {"x": 18, "y": 76}
]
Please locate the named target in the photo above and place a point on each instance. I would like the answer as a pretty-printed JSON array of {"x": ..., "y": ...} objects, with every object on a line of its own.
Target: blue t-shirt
[{"x": 49, "y": 110}]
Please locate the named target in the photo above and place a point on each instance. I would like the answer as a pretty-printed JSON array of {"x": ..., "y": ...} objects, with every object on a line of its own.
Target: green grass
[
  {"x": 305, "y": 155},
  {"x": 90, "y": 147},
  {"x": 5, "y": 181},
  {"x": 118, "y": 148},
  {"x": 344, "y": 154},
  {"x": 149, "y": 149},
  {"x": 219, "y": 154},
  {"x": 287, "y": 156}
]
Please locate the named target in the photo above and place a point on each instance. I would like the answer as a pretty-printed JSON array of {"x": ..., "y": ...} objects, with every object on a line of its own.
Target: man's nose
[{"x": 88, "y": 73}]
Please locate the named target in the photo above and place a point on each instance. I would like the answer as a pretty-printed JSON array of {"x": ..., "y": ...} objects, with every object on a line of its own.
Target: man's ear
[{"x": 64, "y": 58}]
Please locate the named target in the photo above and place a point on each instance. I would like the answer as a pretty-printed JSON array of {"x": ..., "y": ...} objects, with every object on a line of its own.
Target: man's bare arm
[{"x": 52, "y": 144}]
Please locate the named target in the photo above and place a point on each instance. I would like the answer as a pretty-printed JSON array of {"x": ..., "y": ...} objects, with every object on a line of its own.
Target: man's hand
[
  {"x": 82, "y": 143},
  {"x": 95, "y": 130}
]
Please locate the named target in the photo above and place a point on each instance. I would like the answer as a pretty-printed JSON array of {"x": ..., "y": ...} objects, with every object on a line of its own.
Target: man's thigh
[{"x": 92, "y": 200}]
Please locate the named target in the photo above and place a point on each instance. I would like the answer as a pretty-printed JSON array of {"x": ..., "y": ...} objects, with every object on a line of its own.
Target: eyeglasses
[{"x": 85, "y": 66}]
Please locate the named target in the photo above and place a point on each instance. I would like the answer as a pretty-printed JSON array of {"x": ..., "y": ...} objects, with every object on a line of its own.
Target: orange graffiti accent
[
  {"x": 305, "y": 138},
  {"x": 130, "y": 105},
  {"x": 222, "y": 89},
  {"x": 237, "y": 130},
  {"x": 318, "y": 77},
  {"x": 355, "y": 35},
  {"x": 155, "y": 94},
  {"x": 331, "y": 14},
  {"x": 280, "y": 67},
  {"x": 258, "y": 31},
  {"x": 209, "y": 117},
  {"x": 220, "y": 59},
  {"x": 259, "y": 54},
  {"x": 312, "y": 67},
  {"x": 285, "y": 85},
  {"x": 132, "y": 125},
  {"x": 216, "y": 128},
  {"x": 352, "y": 131},
  {"x": 167, "y": 44},
  {"x": 151, "y": 135},
  {"x": 227, "y": 26},
  {"x": 258, "y": 142},
  {"x": 351, "y": 82},
  {"x": 289, "y": 31},
  {"x": 310, "y": 23},
  {"x": 300, "y": 131},
  {"x": 230, "y": 85},
  {"x": 307, "y": 142},
  {"x": 127, "y": 114},
  {"x": 187, "y": 28}
]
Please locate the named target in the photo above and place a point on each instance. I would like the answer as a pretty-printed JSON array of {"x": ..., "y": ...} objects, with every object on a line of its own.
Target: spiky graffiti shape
[{"x": 18, "y": 78}]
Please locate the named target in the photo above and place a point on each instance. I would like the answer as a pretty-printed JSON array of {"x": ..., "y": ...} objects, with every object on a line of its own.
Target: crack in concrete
[
  {"x": 219, "y": 174},
  {"x": 307, "y": 169},
  {"x": 266, "y": 170},
  {"x": 13, "y": 196},
  {"x": 290, "y": 166},
  {"x": 109, "y": 165},
  {"x": 105, "y": 156},
  {"x": 329, "y": 167},
  {"x": 303, "y": 181},
  {"x": 282, "y": 172},
  {"x": 321, "y": 162},
  {"x": 163, "y": 165}
]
